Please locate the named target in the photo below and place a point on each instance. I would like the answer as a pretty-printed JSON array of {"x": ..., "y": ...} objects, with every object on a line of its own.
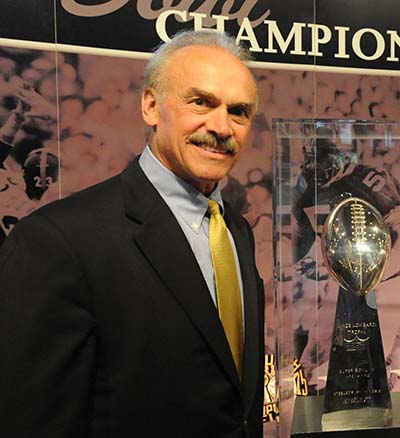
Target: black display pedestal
[{"x": 308, "y": 414}]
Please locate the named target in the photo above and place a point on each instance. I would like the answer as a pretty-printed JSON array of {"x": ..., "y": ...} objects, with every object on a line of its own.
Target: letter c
[{"x": 162, "y": 20}]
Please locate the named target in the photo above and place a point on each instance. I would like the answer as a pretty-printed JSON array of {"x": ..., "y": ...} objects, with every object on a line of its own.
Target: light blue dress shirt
[{"x": 189, "y": 207}]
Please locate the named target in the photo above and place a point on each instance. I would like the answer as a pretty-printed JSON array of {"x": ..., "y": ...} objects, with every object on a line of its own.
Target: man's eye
[
  {"x": 238, "y": 111},
  {"x": 199, "y": 101}
]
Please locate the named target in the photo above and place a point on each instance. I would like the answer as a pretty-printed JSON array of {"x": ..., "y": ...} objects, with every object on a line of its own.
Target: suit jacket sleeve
[{"x": 46, "y": 327}]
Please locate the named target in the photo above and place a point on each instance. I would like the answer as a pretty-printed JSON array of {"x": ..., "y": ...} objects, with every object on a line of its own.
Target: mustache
[{"x": 226, "y": 145}]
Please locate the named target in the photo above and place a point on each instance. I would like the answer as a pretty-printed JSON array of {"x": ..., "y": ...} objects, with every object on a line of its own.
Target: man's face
[{"x": 202, "y": 116}]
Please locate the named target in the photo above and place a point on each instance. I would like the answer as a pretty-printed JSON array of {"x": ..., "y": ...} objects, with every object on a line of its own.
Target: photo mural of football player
[
  {"x": 334, "y": 166},
  {"x": 28, "y": 169},
  {"x": 101, "y": 129}
]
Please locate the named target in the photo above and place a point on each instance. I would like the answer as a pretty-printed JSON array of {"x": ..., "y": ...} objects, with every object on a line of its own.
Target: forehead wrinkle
[
  {"x": 194, "y": 91},
  {"x": 169, "y": 75}
]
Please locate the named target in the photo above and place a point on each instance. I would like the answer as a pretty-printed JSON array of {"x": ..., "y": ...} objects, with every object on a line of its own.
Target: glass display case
[{"x": 338, "y": 347}]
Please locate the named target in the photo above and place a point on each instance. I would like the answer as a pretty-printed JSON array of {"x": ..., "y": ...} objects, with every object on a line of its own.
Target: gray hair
[{"x": 153, "y": 73}]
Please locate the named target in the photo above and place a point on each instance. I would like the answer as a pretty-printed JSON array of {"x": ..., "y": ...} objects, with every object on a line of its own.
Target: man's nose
[{"x": 219, "y": 123}]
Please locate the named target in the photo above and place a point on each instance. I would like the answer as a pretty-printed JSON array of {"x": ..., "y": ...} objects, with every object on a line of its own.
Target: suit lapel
[
  {"x": 251, "y": 353},
  {"x": 164, "y": 245}
]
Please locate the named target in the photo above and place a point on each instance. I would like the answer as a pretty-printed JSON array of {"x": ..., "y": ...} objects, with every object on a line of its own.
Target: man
[{"x": 109, "y": 321}]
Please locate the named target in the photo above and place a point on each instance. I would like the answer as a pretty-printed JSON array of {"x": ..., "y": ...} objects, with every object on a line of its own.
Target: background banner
[{"x": 274, "y": 31}]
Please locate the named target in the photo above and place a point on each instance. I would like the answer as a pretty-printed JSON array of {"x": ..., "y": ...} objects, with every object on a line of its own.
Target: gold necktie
[{"x": 227, "y": 283}]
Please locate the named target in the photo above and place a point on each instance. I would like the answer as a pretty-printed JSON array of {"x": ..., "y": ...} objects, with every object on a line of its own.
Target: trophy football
[{"x": 355, "y": 247}]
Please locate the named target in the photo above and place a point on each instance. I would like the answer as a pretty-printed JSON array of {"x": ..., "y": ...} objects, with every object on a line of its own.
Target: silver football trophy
[{"x": 355, "y": 246}]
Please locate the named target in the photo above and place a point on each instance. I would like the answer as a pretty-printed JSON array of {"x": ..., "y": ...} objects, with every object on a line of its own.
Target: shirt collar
[{"x": 182, "y": 198}]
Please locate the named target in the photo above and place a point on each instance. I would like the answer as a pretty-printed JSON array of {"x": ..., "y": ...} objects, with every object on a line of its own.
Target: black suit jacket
[{"x": 108, "y": 329}]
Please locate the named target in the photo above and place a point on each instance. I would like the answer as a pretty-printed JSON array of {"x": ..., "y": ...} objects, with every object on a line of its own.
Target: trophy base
[
  {"x": 308, "y": 420},
  {"x": 362, "y": 418}
]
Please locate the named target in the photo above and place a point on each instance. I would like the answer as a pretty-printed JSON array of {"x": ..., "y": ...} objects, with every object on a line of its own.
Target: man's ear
[{"x": 149, "y": 107}]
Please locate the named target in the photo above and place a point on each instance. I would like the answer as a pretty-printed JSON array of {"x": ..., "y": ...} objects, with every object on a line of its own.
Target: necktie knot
[{"x": 213, "y": 207}]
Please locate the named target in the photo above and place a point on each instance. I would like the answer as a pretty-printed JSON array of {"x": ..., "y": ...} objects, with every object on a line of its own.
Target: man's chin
[{"x": 205, "y": 183}]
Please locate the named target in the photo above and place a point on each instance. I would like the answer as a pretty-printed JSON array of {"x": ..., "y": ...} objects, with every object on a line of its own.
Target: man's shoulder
[
  {"x": 95, "y": 204},
  {"x": 80, "y": 221}
]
